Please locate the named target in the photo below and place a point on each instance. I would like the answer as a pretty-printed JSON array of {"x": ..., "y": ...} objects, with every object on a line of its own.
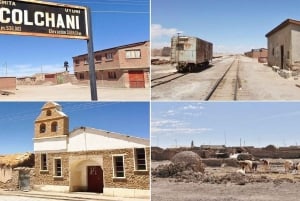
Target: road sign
[{"x": 38, "y": 18}]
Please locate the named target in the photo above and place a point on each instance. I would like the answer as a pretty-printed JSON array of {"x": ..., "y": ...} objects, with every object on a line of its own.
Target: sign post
[
  {"x": 46, "y": 19},
  {"x": 91, "y": 57}
]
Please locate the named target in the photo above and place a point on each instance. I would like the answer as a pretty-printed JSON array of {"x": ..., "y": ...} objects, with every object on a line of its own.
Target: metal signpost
[{"x": 46, "y": 19}]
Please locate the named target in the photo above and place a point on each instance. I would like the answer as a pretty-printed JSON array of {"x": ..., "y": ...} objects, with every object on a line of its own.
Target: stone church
[{"x": 88, "y": 159}]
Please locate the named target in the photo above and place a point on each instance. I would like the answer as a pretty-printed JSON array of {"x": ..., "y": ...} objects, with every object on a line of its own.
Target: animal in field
[
  {"x": 266, "y": 164},
  {"x": 289, "y": 166},
  {"x": 248, "y": 165},
  {"x": 241, "y": 171}
]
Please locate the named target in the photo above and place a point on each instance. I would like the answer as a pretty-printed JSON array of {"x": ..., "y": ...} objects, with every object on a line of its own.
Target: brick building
[
  {"x": 123, "y": 66},
  {"x": 257, "y": 53},
  {"x": 284, "y": 45},
  {"x": 8, "y": 83},
  {"x": 88, "y": 159}
]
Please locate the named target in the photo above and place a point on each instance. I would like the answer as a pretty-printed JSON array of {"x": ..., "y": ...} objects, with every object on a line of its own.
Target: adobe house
[
  {"x": 88, "y": 159},
  {"x": 284, "y": 45},
  {"x": 16, "y": 171}
]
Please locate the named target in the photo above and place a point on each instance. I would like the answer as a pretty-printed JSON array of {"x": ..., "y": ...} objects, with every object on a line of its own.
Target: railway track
[
  {"x": 228, "y": 86},
  {"x": 165, "y": 79}
]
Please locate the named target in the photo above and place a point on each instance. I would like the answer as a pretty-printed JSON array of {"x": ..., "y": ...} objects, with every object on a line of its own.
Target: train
[{"x": 190, "y": 54}]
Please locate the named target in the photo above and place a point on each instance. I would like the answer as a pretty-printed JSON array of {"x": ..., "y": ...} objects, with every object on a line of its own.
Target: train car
[{"x": 190, "y": 54}]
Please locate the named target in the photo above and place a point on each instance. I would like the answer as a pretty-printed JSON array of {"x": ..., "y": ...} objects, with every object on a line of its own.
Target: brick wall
[
  {"x": 142, "y": 62},
  {"x": 8, "y": 83}
]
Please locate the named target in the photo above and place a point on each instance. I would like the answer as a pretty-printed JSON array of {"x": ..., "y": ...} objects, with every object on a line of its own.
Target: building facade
[
  {"x": 123, "y": 66},
  {"x": 87, "y": 159},
  {"x": 257, "y": 53},
  {"x": 284, "y": 45}
]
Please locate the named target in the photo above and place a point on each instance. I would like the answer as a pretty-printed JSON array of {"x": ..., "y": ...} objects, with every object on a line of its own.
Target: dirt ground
[
  {"x": 260, "y": 186},
  {"x": 69, "y": 92},
  {"x": 259, "y": 82}
]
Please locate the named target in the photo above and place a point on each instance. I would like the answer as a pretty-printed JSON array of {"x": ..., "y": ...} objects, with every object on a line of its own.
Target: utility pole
[{"x": 6, "y": 69}]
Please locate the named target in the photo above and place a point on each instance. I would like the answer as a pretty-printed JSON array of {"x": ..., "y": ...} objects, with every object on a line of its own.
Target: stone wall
[
  {"x": 13, "y": 182},
  {"x": 267, "y": 152},
  {"x": 133, "y": 179}
]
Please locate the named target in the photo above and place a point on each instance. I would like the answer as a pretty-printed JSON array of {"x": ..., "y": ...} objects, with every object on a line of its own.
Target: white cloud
[
  {"x": 171, "y": 127},
  {"x": 158, "y": 31},
  {"x": 193, "y": 107}
]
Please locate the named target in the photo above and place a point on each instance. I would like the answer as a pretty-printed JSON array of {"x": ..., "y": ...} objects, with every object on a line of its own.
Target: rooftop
[{"x": 282, "y": 25}]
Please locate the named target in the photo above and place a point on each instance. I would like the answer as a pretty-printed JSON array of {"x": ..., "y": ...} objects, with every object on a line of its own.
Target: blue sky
[
  {"x": 232, "y": 26},
  {"x": 17, "y": 120},
  {"x": 253, "y": 123},
  {"x": 115, "y": 22}
]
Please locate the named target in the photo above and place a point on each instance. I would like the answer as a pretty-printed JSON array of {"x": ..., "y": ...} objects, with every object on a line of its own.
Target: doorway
[
  {"x": 281, "y": 56},
  {"x": 95, "y": 179}
]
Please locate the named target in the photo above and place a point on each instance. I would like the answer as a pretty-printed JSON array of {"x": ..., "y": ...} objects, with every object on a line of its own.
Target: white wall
[
  {"x": 89, "y": 141},
  {"x": 50, "y": 144}
]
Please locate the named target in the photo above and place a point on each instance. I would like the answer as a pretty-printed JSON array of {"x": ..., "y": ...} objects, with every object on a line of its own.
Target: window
[
  {"x": 273, "y": 51},
  {"x": 98, "y": 58},
  {"x": 76, "y": 62},
  {"x": 140, "y": 159},
  {"x": 54, "y": 126},
  {"x": 86, "y": 61},
  {"x": 81, "y": 76},
  {"x": 48, "y": 113},
  {"x": 57, "y": 167},
  {"x": 180, "y": 47},
  {"x": 44, "y": 164},
  {"x": 112, "y": 75},
  {"x": 109, "y": 56},
  {"x": 133, "y": 54},
  {"x": 42, "y": 128},
  {"x": 118, "y": 162}
]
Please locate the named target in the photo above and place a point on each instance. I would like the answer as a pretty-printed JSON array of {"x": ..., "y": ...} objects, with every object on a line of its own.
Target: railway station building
[
  {"x": 123, "y": 66},
  {"x": 284, "y": 45},
  {"x": 87, "y": 159}
]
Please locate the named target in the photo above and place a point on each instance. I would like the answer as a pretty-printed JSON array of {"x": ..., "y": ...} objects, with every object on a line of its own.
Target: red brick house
[{"x": 123, "y": 66}]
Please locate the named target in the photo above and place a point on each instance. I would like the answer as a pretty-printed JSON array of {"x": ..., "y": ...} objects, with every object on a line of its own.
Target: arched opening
[
  {"x": 86, "y": 176},
  {"x": 54, "y": 126},
  {"x": 42, "y": 128}
]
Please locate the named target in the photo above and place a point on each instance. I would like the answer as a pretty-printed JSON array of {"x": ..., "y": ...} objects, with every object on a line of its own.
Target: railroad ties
[{"x": 229, "y": 86}]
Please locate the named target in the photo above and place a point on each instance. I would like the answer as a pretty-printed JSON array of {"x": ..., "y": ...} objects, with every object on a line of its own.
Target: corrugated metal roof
[
  {"x": 111, "y": 135},
  {"x": 282, "y": 25}
]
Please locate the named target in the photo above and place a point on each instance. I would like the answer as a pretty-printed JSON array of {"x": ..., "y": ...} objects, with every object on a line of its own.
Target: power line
[{"x": 119, "y": 11}]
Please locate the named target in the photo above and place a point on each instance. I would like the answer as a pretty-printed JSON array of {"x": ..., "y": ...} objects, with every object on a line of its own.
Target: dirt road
[
  {"x": 258, "y": 82},
  {"x": 167, "y": 190},
  {"x": 69, "y": 92},
  {"x": 223, "y": 184}
]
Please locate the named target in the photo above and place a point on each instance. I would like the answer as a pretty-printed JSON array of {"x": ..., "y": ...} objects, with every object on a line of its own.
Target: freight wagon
[{"x": 190, "y": 54}]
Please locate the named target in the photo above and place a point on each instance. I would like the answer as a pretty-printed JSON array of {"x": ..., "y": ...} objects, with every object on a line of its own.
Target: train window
[{"x": 180, "y": 47}]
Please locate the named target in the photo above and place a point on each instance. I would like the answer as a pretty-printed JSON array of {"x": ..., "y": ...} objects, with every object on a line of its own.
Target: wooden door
[
  {"x": 95, "y": 179},
  {"x": 136, "y": 79}
]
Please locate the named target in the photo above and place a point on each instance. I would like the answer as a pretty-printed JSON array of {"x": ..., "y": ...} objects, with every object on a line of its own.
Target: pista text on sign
[{"x": 43, "y": 19}]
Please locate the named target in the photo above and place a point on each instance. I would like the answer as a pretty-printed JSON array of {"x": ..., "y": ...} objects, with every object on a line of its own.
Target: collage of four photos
[{"x": 143, "y": 100}]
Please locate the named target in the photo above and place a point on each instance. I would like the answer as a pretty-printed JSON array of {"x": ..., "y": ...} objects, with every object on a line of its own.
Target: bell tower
[{"x": 51, "y": 122}]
